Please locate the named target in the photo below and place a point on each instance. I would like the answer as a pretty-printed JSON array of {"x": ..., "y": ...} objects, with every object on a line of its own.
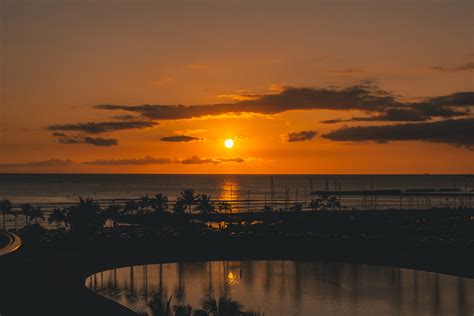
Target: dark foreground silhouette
[{"x": 47, "y": 275}]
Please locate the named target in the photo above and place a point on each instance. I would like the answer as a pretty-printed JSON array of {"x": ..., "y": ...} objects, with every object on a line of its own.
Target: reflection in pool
[{"x": 289, "y": 288}]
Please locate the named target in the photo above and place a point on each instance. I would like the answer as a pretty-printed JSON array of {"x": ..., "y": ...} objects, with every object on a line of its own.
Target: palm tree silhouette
[
  {"x": 204, "y": 204},
  {"x": 179, "y": 207},
  {"x": 26, "y": 210},
  {"x": 58, "y": 216},
  {"x": 36, "y": 213},
  {"x": 224, "y": 307},
  {"x": 84, "y": 216},
  {"x": 224, "y": 207},
  {"x": 131, "y": 207},
  {"x": 144, "y": 204},
  {"x": 160, "y": 306},
  {"x": 183, "y": 310},
  {"x": 188, "y": 198},
  {"x": 160, "y": 203},
  {"x": 5, "y": 208},
  {"x": 16, "y": 213}
]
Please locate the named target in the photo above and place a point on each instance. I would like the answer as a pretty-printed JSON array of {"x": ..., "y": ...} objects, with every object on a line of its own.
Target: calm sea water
[
  {"x": 290, "y": 288},
  {"x": 56, "y": 189}
]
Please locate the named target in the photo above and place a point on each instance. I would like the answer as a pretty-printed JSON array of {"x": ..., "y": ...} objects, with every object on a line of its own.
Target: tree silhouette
[
  {"x": 144, "y": 204},
  {"x": 5, "y": 208},
  {"x": 183, "y": 310},
  {"x": 224, "y": 207},
  {"x": 84, "y": 217},
  {"x": 160, "y": 306},
  {"x": 204, "y": 204},
  {"x": 16, "y": 213},
  {"x": 25, "y": 211},
  {"x": 160, "y": 203},
  {"x": 58, "y": 216},
  {"x": 224, "y": 307},
  {"x": 36, "y": 213},
  {"x": 179, "y": 207},
  {"x": 130, "y": 207},
  {"x": 188, "y": 198}
]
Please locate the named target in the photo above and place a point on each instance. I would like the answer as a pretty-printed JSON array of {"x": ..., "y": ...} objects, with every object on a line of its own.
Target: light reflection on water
[{"x": 291, "y": 288}]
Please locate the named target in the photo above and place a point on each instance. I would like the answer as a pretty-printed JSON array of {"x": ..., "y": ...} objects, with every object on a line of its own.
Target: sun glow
[{"x": 229, "y": 143}]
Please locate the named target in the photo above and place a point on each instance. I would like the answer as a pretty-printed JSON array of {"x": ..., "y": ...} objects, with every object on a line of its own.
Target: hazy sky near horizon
[{"x": 301, "y": 86}]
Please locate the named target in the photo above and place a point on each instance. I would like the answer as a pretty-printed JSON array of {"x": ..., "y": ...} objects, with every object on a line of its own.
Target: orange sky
[{"x": 59, "y": 59}]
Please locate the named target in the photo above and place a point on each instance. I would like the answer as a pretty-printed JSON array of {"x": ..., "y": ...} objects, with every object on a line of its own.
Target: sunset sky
[{"x": 300, "y": 86}]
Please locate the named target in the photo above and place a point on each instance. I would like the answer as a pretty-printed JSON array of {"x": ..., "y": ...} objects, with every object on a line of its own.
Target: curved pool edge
[
  {"x": 13, "y": 243},
  {"x": 62, "y": 273}
]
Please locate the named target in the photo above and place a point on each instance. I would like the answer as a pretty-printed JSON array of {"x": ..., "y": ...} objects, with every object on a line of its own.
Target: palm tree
[
  {"x": 36, "y": 213},
  {"x": 224, "y": 207},
  {"x": 204, "y": 204},
  {"x": 188, "y": 198},
  {"x": 160, "y": 203},
  {"x": 224, "y": 307},
  {"x": 58, "y": 216},
  {"x": 143, "y": 204},
  {"x": 5, "y": 208},
  {"x": 183, "y": 310},
  {"x": 160, "y": 306},
  {"x": 16, "y": 213},
  {"x": 84, "y": 217},
  {"x": 179, "y": 207},
  {"x": 26, "y": 211},
  {"x": 131, "y": 207}
]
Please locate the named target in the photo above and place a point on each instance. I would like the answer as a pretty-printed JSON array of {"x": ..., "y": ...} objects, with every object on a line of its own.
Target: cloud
[
  {"x": 300, "y": 136},
  {"x": 195, "y": 160},
  {"x": 448, "y": 106},
  {"x": 366, "y": 97},
  {"x": 125, "y": 117},
  {"x": 102, "y": 127},
  {"x": 80, "y": 139},
  {"x": 148, "y": 160},
  {"x": 180, "y": 138},
  {"x": 469, "y": 66},
  {"x": 236, "y": 159},
  {"x": 356, "y": 97},
  {"x": 44, "y": 163},
  {"x": 452, "y": 131}
]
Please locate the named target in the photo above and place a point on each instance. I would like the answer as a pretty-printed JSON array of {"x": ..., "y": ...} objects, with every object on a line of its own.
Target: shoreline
[{"x": 61, "y": 273}]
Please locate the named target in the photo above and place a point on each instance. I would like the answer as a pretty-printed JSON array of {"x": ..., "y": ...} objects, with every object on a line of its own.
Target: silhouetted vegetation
[{"x": 224, "y": 306}]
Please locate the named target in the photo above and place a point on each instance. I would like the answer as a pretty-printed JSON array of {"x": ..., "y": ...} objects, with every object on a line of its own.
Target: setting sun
[{"x": 229, "y": 143}]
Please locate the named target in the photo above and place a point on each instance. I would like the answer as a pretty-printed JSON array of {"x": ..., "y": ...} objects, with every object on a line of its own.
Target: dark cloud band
[
  {"x": 180, "y": 138},
  {"x": 101, "y": 127},
  {"x": 455, "y": 132},
  {"x": 364, "y": 97},
  {"x": 301, "y": 136}
]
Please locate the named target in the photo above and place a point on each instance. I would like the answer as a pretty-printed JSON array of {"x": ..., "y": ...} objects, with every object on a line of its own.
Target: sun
[{"x": 229, "y": 143}]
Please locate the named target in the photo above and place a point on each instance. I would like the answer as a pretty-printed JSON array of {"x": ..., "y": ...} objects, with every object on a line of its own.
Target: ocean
[{"x": 61, "y": 189}]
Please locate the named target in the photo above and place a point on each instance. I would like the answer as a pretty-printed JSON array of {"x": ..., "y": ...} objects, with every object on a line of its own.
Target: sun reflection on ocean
[{"x": 229, "y": 191}]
